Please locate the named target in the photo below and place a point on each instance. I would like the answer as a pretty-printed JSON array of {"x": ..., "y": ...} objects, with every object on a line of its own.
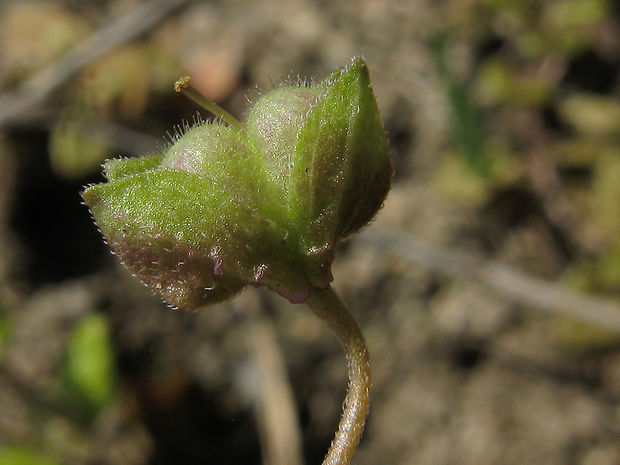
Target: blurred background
[{"x": 488, "y": 287}]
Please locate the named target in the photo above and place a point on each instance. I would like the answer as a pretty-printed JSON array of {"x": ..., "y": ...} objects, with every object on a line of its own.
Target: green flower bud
[{"x": 263, "y": 203}]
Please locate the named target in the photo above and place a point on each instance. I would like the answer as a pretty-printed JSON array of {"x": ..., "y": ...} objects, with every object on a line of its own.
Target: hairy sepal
[
  {"x": 342, "y": 171},
  {"x": 185, "y": 238}
]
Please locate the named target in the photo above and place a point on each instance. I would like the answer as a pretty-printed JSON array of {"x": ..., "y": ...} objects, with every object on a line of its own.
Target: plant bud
[{"x": 262, "y": 203}]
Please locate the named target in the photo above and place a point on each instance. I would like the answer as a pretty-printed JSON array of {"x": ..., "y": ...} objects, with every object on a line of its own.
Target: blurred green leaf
[
  {"x": 5, "y": 330},
  {"x": 569, "y": 24},
  {"x": 578, "y": 336},
  {"x": 458, "y": 182},
  {"x": 499, "y": 83},
  {"x": 19, "y": 455},
  {"x": 90, "y": 361},
  {"x": 578, "y": 152},
  {"x": 76, "y": 150},
  {"x": 608, "y": 268},
  {"x": 592, "y": 115},
  {"x": 466, "y": 123},
  {"x": 606, "y": 193}
]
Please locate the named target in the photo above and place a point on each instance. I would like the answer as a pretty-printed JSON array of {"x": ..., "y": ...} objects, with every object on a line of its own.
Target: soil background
[{"x": 504, "y": 125}]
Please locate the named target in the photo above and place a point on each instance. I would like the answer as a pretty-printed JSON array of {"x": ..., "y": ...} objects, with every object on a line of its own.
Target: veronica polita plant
[{"x": 261, "y": 203}]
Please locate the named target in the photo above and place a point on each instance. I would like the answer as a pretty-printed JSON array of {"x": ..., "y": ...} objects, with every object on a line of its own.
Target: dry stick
[
  {"x": 123, "y": 29},
  {"x": 277, "y": 420},
  {"x": 326, "y": 304},
  {"x": 507, "y": 282}
]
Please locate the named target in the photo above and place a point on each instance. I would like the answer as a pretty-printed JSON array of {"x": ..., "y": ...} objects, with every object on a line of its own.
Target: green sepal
[
  {"x": 188, "y": 240},
  {"x": 212, "y": 151},
  {"x": 273, "y": 126},
  {"x": 342, "y": 171},
  {"x": 222, "y": 155},
  {"x": 117, "y": 168}
]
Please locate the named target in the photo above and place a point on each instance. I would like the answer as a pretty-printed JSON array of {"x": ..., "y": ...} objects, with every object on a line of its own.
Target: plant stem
[{"x": 328, "y": 306}]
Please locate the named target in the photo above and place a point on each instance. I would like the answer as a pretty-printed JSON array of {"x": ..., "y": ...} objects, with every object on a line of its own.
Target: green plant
[{"x": 261, "y": 203}]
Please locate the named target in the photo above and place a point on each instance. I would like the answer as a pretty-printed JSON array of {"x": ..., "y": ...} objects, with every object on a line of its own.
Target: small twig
[
  {"x": 125, "y": 28},
  {"x": 277, "y": 420},
  {"x": 504, "y": 280}
]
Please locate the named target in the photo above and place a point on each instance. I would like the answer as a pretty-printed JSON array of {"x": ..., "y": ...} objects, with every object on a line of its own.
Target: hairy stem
[{"x": 326, "y": 304}]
